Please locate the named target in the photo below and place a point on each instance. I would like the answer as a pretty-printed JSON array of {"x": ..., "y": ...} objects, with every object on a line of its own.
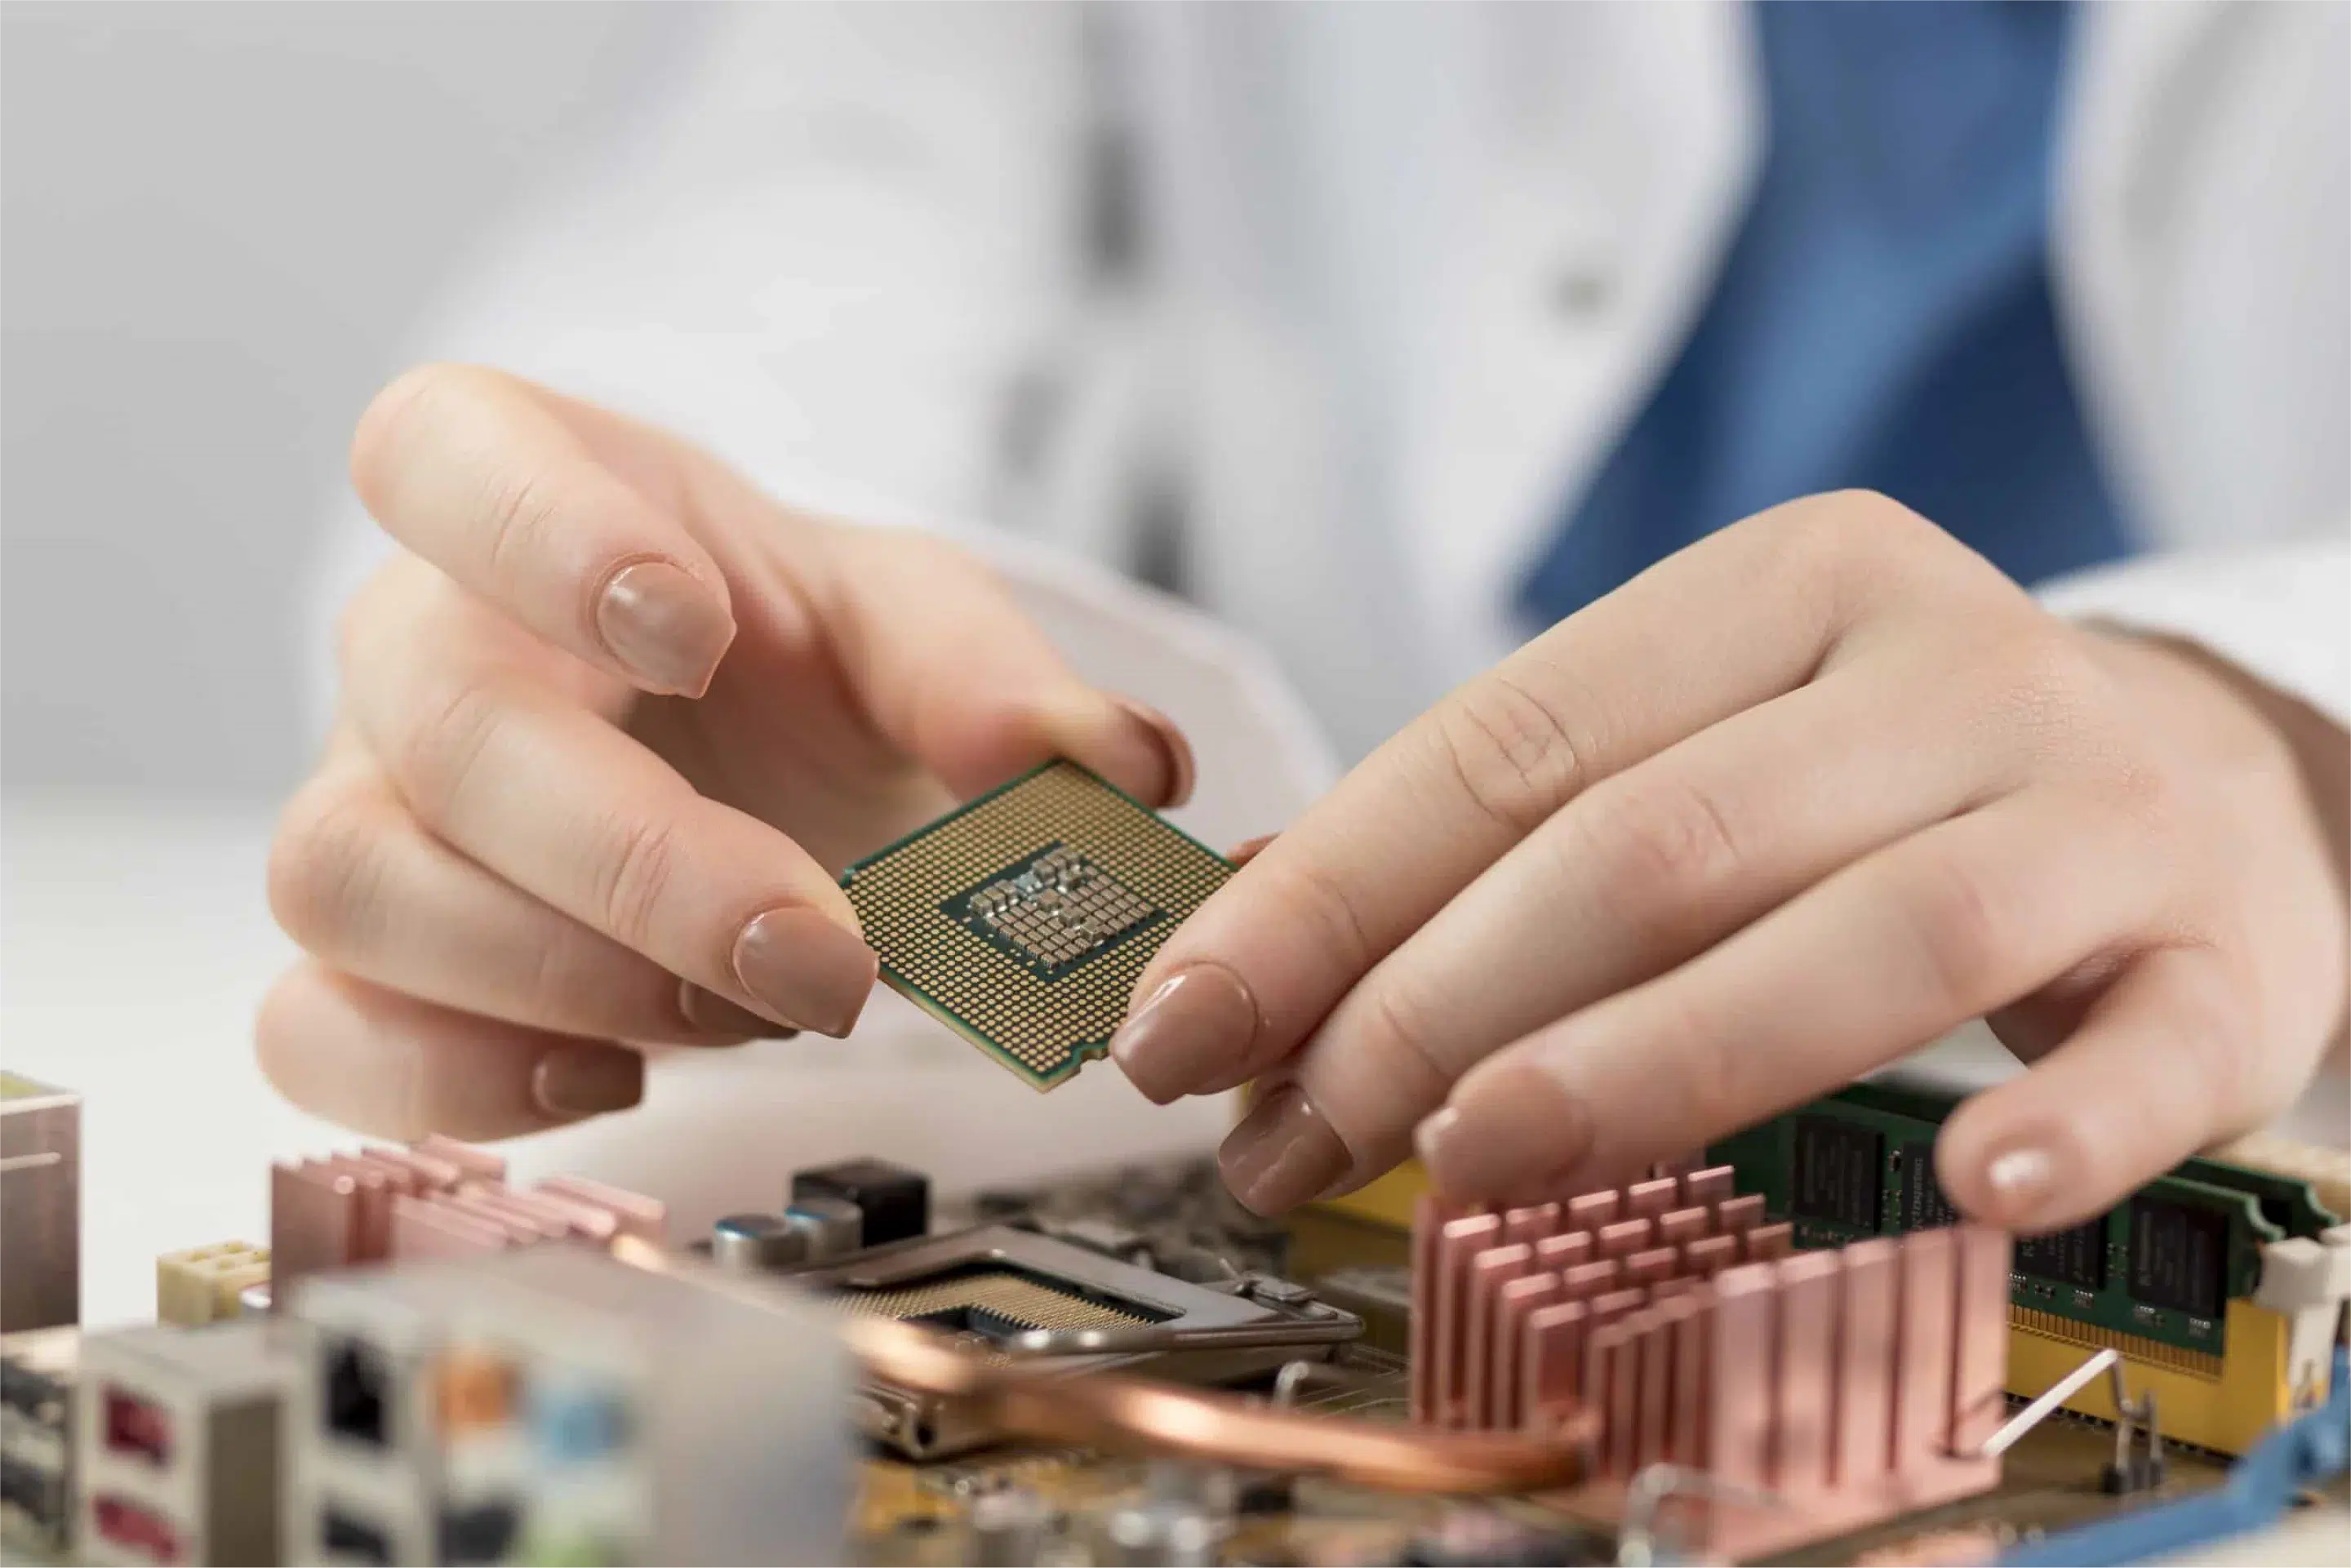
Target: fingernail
[
  {"x": 1198, "y": 1023},
  {"x": 1507, "y": 1130},
  {"x": 1429, "y": 1139},
  {"x": 1248, "y": 850},
  {"x": 1282, "y": 1154},
  {"x": 804, "y": 969},
  {"x": 711, "y": 1013},
  {"x": 665, "y": 627},
  {"x": 2021, "y": 1180},
  {"x": 1174, "y": 750},
  {"x": 588, "y": 1079}
]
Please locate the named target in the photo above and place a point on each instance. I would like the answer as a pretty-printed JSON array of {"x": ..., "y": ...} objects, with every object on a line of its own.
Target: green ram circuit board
[{"x": 2163, "y": 1265}]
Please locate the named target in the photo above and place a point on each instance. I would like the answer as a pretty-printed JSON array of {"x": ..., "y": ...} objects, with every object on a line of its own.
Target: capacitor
[
  {"x": 757, "y": 1242},
  {"x": 834, "y": 1226},
  {"x": 894, "y": 1202},
  {"x": 1009, "y": 1527},
  {"x": 1173, "y": 1535}
]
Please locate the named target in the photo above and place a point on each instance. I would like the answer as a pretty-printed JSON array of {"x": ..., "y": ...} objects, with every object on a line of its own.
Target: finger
[
  {"x": 934, "y": 651},
  {"x": 959, "y": 676},
  {"x": 355, "y": 881},
  {"x": 2168, "y": 1061},
  {"x": 1739, "y": 619},
  {"x": 479, "y": 473},
  {"x": 1880, "y": 959},
  {"x": 1639, "y": 873},
  {"x": 583, "y": 818},
  {"x": 392, "y": 1066},
  {"x": 1248, "y": 850}
]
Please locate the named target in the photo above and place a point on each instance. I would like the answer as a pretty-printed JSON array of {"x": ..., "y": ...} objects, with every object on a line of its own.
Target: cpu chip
[{"x": 1022, "y": 919}]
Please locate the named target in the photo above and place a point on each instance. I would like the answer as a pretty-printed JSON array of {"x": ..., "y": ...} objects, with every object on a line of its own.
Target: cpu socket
[{"x": 996, "y": 1290}]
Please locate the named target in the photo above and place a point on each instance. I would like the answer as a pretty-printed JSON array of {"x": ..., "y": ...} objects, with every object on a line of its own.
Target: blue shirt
[{"x": 1883, "y": 316}]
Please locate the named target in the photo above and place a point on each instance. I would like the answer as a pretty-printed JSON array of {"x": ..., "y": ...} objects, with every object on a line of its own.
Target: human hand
[
  {"x": 610, "y": 725},
  {"x": 1802, "y": 798}
]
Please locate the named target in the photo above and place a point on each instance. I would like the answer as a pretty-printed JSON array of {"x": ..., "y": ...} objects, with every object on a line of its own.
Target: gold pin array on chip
[{"x": 1023, "y": 918}]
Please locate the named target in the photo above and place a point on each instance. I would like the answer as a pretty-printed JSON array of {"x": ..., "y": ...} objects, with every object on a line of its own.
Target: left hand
[{"x": 1805, "y": 797}]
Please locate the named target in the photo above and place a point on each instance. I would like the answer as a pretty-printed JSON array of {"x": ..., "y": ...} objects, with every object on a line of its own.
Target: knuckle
[
  {"x": 2052, "y": 690},
  {"x": 2149, "y": 794},
  {"x": 1835, "y": 527},
  {"x": 2055, "y": 668},
  {"x": 1663, "y": 842},
  {"x": 435, "y": 755},
  {"x": 1515, "y": 755},
  {"x": 395, "y": 418},
  {"x": 634, "y": 881},
  {"x": 1399, "y": 1031},
  {"x": 518, "y": 509},
  {"x": 1330, "y": 902},
  {"x": 324, "y": 872},
  {"x": 1859, "y": 537},
  {"x": 1957, "y": 932}
]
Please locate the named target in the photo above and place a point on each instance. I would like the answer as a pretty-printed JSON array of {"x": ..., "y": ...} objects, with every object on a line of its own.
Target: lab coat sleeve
[
  {"x": 2280, "y": 612},
  {"x": 832, "y": 245}
]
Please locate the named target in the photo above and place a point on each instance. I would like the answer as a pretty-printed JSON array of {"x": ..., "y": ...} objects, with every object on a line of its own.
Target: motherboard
[{"x": 464, "y": 1371}]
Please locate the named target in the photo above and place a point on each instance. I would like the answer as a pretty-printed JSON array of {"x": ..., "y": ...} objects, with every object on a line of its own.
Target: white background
[{"x": 218, "y": 222}]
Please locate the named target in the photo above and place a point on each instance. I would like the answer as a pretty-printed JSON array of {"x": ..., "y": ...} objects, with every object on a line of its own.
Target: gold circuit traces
[{"x": 1022, "y": 919}]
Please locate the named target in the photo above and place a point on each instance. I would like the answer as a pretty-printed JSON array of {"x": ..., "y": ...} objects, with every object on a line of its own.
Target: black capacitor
[{"x": 896, "y": 1201}]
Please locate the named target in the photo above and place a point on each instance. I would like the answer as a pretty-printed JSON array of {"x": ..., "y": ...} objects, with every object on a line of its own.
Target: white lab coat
[{"x": 1412, "y": 269}]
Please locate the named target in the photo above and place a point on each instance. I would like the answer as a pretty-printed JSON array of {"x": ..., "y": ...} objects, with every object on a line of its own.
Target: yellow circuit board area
[{"x": 2222, "y": 1403}]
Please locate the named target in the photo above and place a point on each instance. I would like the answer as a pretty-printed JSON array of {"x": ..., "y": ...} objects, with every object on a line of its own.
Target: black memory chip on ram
[
  {"x": 1925, "y": 1205},
  {"x": 2179, "y": 1257},
  {"x": 1840, "y": 1173},
  {"x": 2076, "y": 1257}
]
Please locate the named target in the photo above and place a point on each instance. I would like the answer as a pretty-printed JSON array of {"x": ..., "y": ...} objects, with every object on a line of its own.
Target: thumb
[{"x": 955, "y": 673}]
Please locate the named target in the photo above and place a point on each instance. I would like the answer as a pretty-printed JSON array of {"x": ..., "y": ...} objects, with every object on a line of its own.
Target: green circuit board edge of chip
[{"x": 1022, "y": 918}]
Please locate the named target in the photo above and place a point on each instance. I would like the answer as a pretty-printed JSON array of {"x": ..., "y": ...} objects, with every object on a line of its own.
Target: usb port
[
  {"x": 124, "y": 1523},
  {"x": 356, "y": 1385},
  {"x": 349, "y": 1539},
  {"x": 37, "y": 1493},
  {"x": 483, "y": 1534},
  {"x": 136, "y": 1426}
]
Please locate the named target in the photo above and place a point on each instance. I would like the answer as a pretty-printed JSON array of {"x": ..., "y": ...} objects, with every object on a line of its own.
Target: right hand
[{"x": 610, "y": 725}]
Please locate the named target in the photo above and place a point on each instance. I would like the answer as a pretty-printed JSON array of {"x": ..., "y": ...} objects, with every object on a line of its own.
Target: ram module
[{"x": 2166, "y": 1276}]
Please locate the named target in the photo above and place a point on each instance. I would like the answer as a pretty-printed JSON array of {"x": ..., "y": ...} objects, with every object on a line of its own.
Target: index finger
[
  {"x": 479, "y": 473},
  {"x": 1742, "y": 617}
]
